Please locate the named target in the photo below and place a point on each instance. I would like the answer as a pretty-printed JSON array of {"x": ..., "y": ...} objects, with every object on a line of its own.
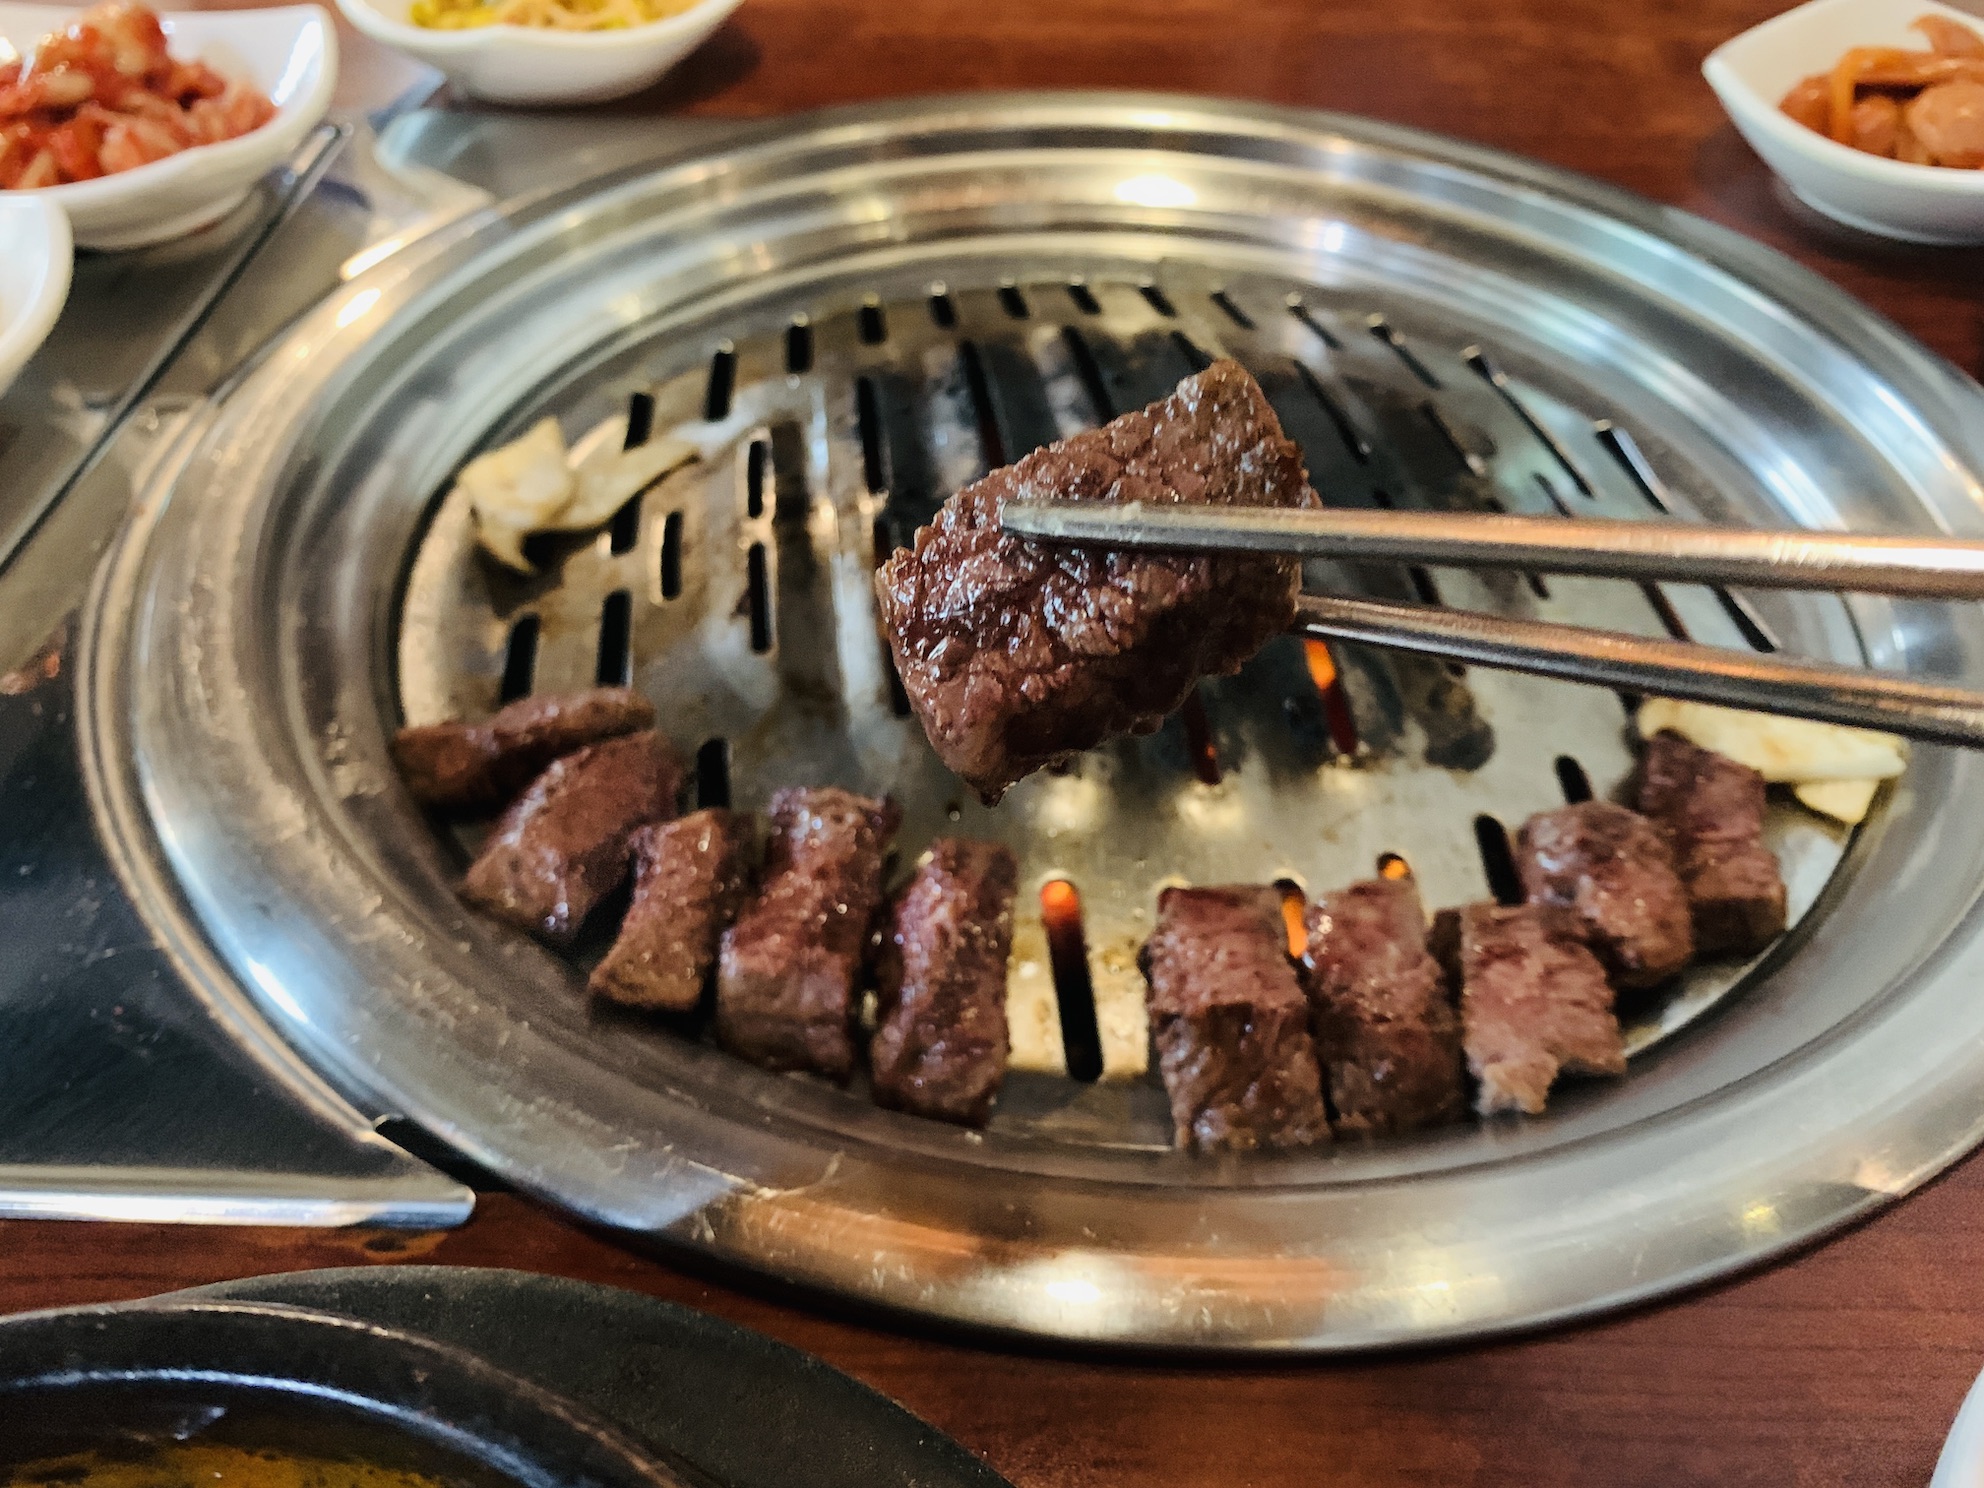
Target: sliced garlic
[
  {"x": 517, "y": 490},
  {"x": 608, "y": 480},
  {"x": 1845, "y": 800},
  {"x": 1779, "y": 749}
]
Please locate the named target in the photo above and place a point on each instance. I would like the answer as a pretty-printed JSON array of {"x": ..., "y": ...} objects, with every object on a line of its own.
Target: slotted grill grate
[{"x": 736, "y": 594}]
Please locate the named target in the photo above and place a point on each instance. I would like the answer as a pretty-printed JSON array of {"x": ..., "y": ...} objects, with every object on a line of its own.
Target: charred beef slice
[
  {"x": 562, "y": 847},
  {"x": 1017, "y": 655},
  {"x": 1379, "y": 1008},
  {"x": 1534, "y": 1001},
  {"x": 789, "y": 968},
  {"x": 1230, "y": 1022},
  {"x": 1613, "y": 868},
  {"x": 940, "y": 1047},
  {"x": 690, "y": 878},
  {"x": 479, "y": 766},
  {"x": 1711, "y": 811}
]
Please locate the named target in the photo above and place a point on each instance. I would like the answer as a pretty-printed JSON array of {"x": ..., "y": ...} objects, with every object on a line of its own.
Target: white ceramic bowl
[
  {"x": 1752, "y": 73},
  {"x": 35, "y": 259},
  {"x": 290, "y": 54},
  {"x": 1962, "y": 1462},
  {"x": 534, "y": 65}
]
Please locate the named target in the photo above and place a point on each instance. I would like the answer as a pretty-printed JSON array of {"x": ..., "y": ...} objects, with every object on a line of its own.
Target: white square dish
[
  {"x": 1751, "y": 74},
  {"x": 290, "y": 54}
]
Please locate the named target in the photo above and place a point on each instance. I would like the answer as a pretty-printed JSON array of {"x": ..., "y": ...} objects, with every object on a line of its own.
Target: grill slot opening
[
  {"x": 640, "y": 420},
  {"x": 1090, "y": 372},
  {"x": 943, "y": 309},
  {"x": 713, "y": 773},
  {"x": 1294, "y": 915},
  {"x": 616, "y": 637},
  {"x": 1329, "y": 687},
  {"x": 626, "y": 528},
  {"x": 754, "y": 480},
  {"x": 671, "y": 556},
  {"x": 1157, "y": 299},
  {"x": 1196, "y": 356},
  {"x": 1199, "y": 741},
  {"x": 1423, "y": 585},
  {"x": 1387, "y": 333},
  {"x": 1074, "y": 992},
  {"x": 1013, "y": 302},
  {"x": 874, "y": 324},
  {"x": 1308, "y": 317},
  {"x": 1570, "y": 775},
  {"x": 1393, "y": 866},
  {"x": 1663, "y": 609},
  {"x": 723, "y": 382},
  {"x": 884, "y": 543},
  {"x": 991, "y": 443},
  {"x": 1353, "y": 441},
  {"x": 1497, "y": 379},
  {"x": 1233, "y": 312},
  {"x": 1626, "y": 453},
  {"x": 1498, "y": 860},
  {"x": 868, "y": 412},
  {"x": 760, "y": 598},
  {"x": 799, "y": 345},
  {"x": 520, "y": 659},
  {"x": 1084, "y": 297}
]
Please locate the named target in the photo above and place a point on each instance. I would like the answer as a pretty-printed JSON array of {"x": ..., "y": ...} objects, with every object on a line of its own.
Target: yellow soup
[{"x": 557, "y": 15}]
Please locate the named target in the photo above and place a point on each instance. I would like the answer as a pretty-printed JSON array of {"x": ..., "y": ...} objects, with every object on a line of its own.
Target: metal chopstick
[
  {"x": 1709, "y": 674},
  {"x": 1920, "y": 567}
]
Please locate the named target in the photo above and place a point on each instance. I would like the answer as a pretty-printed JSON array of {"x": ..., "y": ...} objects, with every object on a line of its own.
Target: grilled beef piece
[
  {"x": 1614, "y": 869},
  {"x": 1231, "y": 1023},
  {"x": 562, "y": 847},
  {"x": 788, "y": 969},
  {"x": 1711, "y": 811},
  {"x": 472, "y": 766},
  {"x": 1379, "y": 1008},
  {"x": 1534, "y": 1001},
  {"x": 1017, "y": 655},
  {"x": 690, "y": 877},
  {"x": 940, "y": 1047}
]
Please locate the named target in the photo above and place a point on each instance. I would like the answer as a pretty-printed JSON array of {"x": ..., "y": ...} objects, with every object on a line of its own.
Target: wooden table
[{"x": 1842, "y": 1366}]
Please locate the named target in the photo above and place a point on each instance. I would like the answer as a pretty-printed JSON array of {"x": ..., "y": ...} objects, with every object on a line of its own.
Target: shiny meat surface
[
  {"x": 469, "y": 766},
  {"x": 1711, "y": 811},
  {"x": 563, "y": 846},
  {"x": 940, "y": 1047},
  {"x": 789, "y": 968},
  {"x": 690, "y": 878},
  {"x": 1534, "y": 1001},
  {"x": 1614, "y": 869},
  {"x": 1231, "y": 1023},
  {"x": 1016, "y": 655},
  {"x": 1383, "y": 1019}
]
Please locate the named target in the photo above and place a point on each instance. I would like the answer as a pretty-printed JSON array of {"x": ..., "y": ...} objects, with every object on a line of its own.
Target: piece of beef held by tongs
[
  {"x": 1711, "y": 810},
  {"x": 1615, "y": 871},
  {"x": 789, "y": 969},
  {"x": 1383, "y": 1018},
  {"x": 1231, "y": 1023},
  {"x": 690, "y": 878},
  {"x": 1016, "y": 655},
  {"x": 1534, "y": 1001},
  {"x": 479, "y": 766},
  {"x": 940, "y": 1046},
  {"x": 562, "y": 847}
]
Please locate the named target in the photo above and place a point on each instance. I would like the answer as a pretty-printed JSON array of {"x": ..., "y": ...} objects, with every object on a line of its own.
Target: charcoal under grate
[{"x": 851, "y": 318}]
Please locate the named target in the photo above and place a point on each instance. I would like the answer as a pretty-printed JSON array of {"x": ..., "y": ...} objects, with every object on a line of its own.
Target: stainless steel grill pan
[{"x": 851, "y": 316}]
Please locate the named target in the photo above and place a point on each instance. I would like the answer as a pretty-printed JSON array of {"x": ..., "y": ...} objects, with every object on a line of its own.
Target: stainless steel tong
[{"x": 1919, "y": 568}]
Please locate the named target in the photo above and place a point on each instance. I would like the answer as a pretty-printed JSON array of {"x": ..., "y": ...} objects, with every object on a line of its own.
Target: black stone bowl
[{"x": 120, "y": 1382}]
